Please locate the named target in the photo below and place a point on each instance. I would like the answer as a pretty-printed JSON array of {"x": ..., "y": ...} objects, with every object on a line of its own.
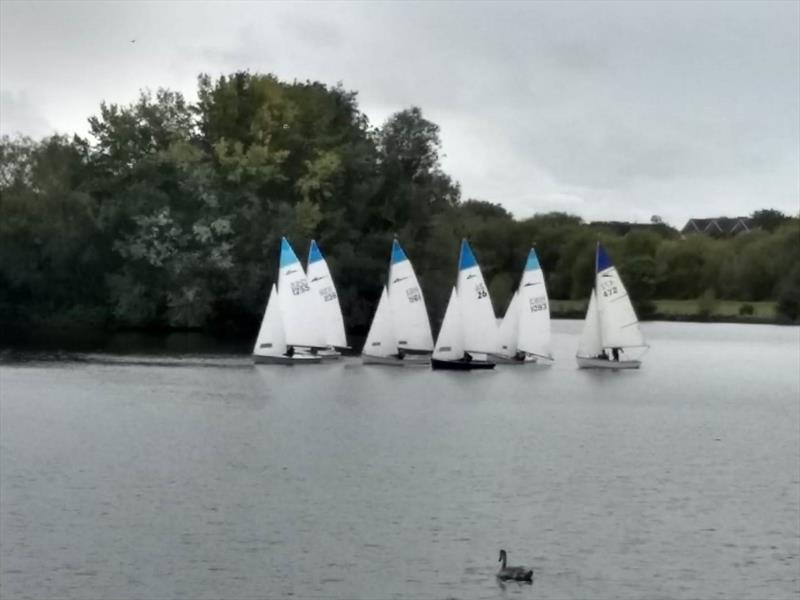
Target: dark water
[{"x": 202, "y": 477}]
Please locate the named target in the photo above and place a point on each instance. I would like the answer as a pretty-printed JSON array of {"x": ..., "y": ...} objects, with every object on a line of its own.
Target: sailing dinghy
[
  {"x": 287, "y": 333},
  {"x": 611, "y": 325},
  {"x": 330, "y": 312},
  {"x": 400, "y": 334},
  {"x": 469, "y": 329},
  {"x": 524, "y": 334}
]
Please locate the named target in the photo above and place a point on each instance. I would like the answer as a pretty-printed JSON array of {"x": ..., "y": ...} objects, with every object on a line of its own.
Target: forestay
[
  {"x": 450, "y": 344},
  {"x": 477, "y": 313},
  {"x": 322, "y": 286},
  {"x": 298, "y": 305},
  {"x": 534, "y": 317},
  {"x": 271, "y": 340},
  {"x": 409, "y": 314}
]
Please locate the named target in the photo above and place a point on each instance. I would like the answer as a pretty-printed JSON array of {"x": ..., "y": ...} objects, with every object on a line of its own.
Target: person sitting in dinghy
[
  {"x": 289, "y": 351},
  {"x": 615, "y": 353},
  {"x": 467, "y": 357},
  {"x": 603, "y": 355}
]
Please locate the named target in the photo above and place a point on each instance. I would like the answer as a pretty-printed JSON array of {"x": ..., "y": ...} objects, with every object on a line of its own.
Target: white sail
[
  {"x": 590, "y": 344},
  {"x": 450, "y": 343},
  {"x": 298, "y": 306},
  {"x": 271, "y": 340},
  {"x": 534, "y": 311},
  {"x": 619, "y": 327},
  {"x": 409, "y": 314},
  {"x": 508, "y": 332},
  {"x": 477, "y": 313},
  {"x": 330, "y": 312},
  {"x": 380, "y": 339}
]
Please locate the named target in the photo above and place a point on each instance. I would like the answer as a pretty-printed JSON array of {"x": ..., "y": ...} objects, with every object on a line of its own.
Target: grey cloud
[{"x": 603, "y": 108}]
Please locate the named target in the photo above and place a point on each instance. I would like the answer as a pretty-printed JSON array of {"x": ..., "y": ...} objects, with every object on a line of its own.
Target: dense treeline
[{"x": 169, "y": 216}]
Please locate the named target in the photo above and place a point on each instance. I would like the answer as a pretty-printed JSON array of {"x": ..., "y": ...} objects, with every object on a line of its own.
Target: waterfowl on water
[{"x": 513, "y": 573}]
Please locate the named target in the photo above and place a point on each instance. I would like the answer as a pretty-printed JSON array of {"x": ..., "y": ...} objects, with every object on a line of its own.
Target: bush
[
  {"x": 789, "y": 295},
  {"x": 746, "y": 309},
  {"x": 707, "y": 303}
]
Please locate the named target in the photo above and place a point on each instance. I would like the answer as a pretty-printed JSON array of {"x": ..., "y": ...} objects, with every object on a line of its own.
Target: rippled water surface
[{"x": 206, "y": 477}]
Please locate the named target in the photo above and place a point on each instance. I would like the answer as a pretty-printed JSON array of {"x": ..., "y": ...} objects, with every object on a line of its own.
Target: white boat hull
[
  {"x": 392, "y": 361},
  {"x": 585, "y": 362},
  {"x": 329, "y": 354},
  {"x": 297, "y": 359}
]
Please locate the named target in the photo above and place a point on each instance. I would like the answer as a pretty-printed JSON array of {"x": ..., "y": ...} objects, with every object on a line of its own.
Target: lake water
[{"x": 205, "y": 477}]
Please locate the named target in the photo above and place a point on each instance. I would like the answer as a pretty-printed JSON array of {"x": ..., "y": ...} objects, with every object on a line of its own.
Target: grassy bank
[{"x": 733, "y": 311}]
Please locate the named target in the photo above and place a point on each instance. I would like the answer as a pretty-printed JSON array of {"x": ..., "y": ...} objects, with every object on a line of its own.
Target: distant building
[{"x": 721, "y": 226}]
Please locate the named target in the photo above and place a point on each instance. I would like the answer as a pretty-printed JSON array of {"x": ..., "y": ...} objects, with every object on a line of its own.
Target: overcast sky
[{"x": 606, "y": 110}]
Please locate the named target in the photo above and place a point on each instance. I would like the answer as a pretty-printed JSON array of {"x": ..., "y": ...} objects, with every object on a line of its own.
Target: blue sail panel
[
  {"x": 314, "y": 254},
  {"x": 288, "y": 257},
  {"x": 467, "y": 258},
  {"x": 398, "y": 255},
  {"x": 533, "y": 261},
  {"x": 603, "y": 259}
]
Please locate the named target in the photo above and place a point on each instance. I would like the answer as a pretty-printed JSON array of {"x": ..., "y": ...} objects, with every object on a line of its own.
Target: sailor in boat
[
  {"x": 400, "y": 354},
  {"x": 615, "y": 353},
  {"x": 603, "y": 355},
  {"x": 519, "y": 356},
  {"x": 467, "y": 357},
  {"x": 289, "y": 351}
]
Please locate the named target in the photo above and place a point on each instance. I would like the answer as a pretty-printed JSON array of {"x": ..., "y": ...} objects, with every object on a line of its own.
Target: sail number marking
[
  {"x": 538, "y": 303},
  {"x": 328, "y": 293},
  {"x": 299, "y": 287},
  {"x": 413, "y": 294},
  {"x": 480, "y": 289},
  {"x": 609, "y": 288}
]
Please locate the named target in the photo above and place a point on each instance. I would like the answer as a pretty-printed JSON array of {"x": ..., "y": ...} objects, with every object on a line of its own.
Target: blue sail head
[
  {"x": 288, "y": 257},
  {"x": 603, "y": 259},
  {"x": 467, "y": 258},
  {"x": 314, "y": 254},
  {"x": 398, "y": 255},
  {"x": 533, "y": 261}
]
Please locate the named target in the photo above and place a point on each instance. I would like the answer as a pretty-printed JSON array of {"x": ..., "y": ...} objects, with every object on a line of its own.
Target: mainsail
[
  {"x": 297, "y": 303},
  {"x": 330, "y": 312},
  {"x": 409, "y": 314},
  {"x": 619, "y": 327},
  {"x": 271, "y": 340},
  {"x": 477, "y": 314},
  {"x": 449, "y": 343},
  {"x": 534, "y": 319},
  {"x": 381, "y": 340}
]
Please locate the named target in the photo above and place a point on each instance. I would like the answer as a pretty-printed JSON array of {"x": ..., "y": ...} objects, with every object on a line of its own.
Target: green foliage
[{"x": 170, "y": 214}]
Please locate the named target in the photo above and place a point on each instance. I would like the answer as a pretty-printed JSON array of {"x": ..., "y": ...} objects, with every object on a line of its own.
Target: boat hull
[
  {"x": 393, "y": 361},
  {"x": 603, "y": 363},
  {"x": 329, "y": 354},
  {"x": 297, "y": 359},
  {"x": 461, "y": 365},
  {"x": 529, "y": 359}
]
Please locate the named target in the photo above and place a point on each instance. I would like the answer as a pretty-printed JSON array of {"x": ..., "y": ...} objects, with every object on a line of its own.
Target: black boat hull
[{"x": 461, "y": 365}]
